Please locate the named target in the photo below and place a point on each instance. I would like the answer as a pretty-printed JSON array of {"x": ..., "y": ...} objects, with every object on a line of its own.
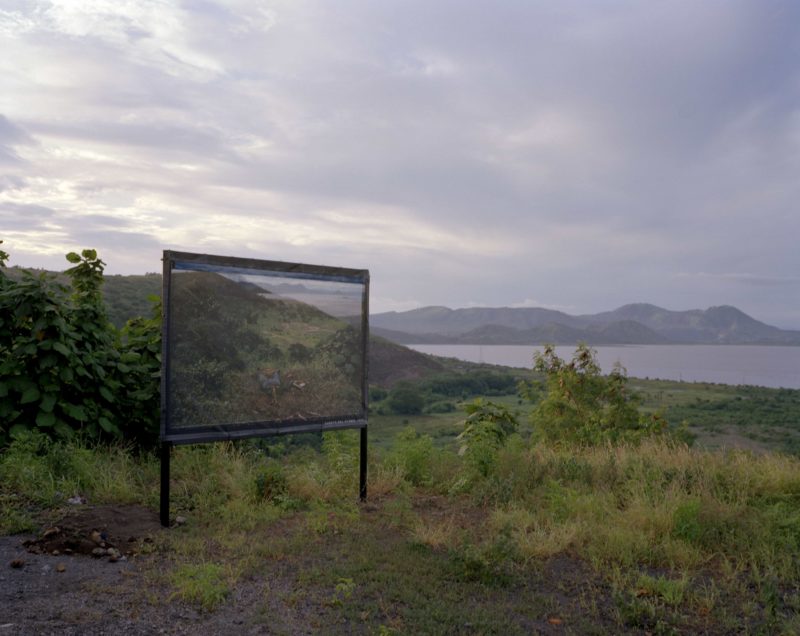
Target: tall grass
[{"x": 656, "y": 504}]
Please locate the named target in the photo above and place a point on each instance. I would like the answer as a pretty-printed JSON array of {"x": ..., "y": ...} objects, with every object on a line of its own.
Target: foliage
[
  {"x": 130, "y": 296},
  {"x": 439, "y": 393},
  {"x": 37, "y": 471},
  {"x": 203, "y": 584},
  {"x": 486, "y": 428},
  {"x": 271, "y": 483},
  {"x": 139, "y": 365},
  {"x": 413, "y": 454},
  {"x": 576, "y": 403},
  {"x": 405, "y": 399},
  {"x": 64, "y": 367}
]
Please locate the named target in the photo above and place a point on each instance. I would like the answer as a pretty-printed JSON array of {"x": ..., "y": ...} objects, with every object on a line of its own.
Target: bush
[
  {"x": 413, "y": 454},
  {"x": 405, "y": 399},
  {"x": 576, "y": 403},
  {"x": 64, "y": 368},
  {"x": 486, "y": 429}
]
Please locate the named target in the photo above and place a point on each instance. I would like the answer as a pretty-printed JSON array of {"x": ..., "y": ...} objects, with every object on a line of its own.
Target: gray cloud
[
  {"x": 26, "y": 217},
  {"x": 11, "y": 136},
  {"x": 580, "y": 153}
]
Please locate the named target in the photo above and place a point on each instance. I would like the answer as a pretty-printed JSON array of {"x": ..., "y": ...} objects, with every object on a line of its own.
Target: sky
[{"x": 575, "y": 155}]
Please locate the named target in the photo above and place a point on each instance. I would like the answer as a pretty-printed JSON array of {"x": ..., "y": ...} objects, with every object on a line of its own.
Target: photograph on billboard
[{"x": 255, "y": 347}]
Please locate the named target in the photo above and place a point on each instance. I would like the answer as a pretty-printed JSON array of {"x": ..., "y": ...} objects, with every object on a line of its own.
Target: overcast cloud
[{"x": 575, "y": 155}]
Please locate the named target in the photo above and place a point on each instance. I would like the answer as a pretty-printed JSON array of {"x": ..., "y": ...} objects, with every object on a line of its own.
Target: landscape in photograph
[{"x": 263, "y": 348}]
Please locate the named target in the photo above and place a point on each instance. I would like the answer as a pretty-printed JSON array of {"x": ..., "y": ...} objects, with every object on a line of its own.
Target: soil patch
[{"x": 113, "y": 531}]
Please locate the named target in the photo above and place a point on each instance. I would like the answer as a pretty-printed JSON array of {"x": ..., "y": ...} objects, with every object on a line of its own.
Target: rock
[
  {"x": 95, "y": 536},
  {"x": 98, "y": 552},
  {"x": 17, "y": 563},
  {"x": 61, "y": 567},
  {"x": 51, "y": 532},
  {"x": 179, "y": 521}
]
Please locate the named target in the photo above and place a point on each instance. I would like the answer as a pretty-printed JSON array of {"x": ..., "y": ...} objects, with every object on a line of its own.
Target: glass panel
[{"x": 263, "y": 347}]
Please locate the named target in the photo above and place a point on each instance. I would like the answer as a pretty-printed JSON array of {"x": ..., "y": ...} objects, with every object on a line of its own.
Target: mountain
[{"x": 638, "y": 323}]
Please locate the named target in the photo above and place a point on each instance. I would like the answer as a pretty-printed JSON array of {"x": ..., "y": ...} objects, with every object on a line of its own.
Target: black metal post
[
  {"x": 362, "y": 480},
  {"x": 165, "y": 455}
]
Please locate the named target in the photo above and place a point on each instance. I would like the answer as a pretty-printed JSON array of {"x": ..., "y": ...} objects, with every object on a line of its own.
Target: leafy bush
[
  {"x": 486, "y": 429},
  {"x": 413, "y": 454},
  {"x": 576, "y": 403},
  {"x": 64, "y": 368},
  {"x": 405, "y": 399}
]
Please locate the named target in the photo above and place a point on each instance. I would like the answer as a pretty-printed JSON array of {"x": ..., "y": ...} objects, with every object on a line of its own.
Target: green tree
[{"x": 576, "y": 403}]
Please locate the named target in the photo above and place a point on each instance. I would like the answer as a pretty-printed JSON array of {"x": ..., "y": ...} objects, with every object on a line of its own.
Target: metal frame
[{"x": 262, "y": 428}]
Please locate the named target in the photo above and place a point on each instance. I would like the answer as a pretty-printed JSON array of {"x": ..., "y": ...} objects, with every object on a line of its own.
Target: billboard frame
[{"x": 191, "y": 261}]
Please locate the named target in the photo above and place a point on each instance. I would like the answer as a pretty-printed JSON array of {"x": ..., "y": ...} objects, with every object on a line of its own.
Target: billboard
[{"x": 254, "y": 347}]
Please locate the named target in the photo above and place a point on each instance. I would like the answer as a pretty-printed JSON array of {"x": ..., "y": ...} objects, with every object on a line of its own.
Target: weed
[
  {"x": 203, "y": 584},
  {"x": 413, "y": 456},
  {"x": 436, "y": 533},
  {"x": 491, "y": 563},
  {"x": 271, "y": 483},
  {"x": 342, "y": 591},
  {"x": 671, "y": 591}
]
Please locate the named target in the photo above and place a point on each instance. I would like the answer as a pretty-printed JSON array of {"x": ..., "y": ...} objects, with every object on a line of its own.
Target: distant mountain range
[{"x": 638, "y": 323}]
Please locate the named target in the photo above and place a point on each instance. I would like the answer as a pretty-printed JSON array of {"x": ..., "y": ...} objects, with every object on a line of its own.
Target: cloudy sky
[{"x": 572, "y": 155}]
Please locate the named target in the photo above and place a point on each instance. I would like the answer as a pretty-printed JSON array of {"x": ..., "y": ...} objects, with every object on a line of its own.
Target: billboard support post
[
  {"x": 362, "y": 473},
  {"x": 166, "y": 447}
]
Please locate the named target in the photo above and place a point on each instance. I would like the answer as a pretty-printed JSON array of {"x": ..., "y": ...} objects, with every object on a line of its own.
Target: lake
[{"x": 725, "y": 364}]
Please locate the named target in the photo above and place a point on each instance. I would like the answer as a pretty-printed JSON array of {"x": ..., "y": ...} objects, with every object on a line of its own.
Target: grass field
[{"x": 659, "y": 537}]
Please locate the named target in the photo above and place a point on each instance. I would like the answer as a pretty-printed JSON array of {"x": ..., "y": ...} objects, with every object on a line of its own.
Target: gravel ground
[
  {"x": 90, "y": 596},
  {"x": 74, "y": 592}
]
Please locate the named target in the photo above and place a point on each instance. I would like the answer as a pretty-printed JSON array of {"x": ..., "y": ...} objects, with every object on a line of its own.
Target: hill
[{"x": 638, "y": 323}]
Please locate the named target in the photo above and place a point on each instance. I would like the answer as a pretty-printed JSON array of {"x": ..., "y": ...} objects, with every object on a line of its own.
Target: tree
[{"x": 576, "y": 403}]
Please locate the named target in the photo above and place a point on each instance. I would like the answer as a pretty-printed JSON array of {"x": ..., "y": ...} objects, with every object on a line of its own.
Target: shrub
[
  {"x": 413, "y": 454},
  {"x": 576, "y": 403},
  {"x": 64, "y": 368},
  {"x": 405, "y": 399},
  {"x": 486, "y": 429}
]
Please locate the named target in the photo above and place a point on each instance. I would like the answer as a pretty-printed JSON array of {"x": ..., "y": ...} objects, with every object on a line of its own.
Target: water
[{"x": 724, "y": 364}]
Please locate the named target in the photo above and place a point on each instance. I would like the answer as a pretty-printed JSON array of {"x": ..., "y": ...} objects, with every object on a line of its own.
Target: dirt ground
[
  {"x": 97, "y": 570},
  {"x": 88, "y": 574},
  {"x": 92, "y": 573}
]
